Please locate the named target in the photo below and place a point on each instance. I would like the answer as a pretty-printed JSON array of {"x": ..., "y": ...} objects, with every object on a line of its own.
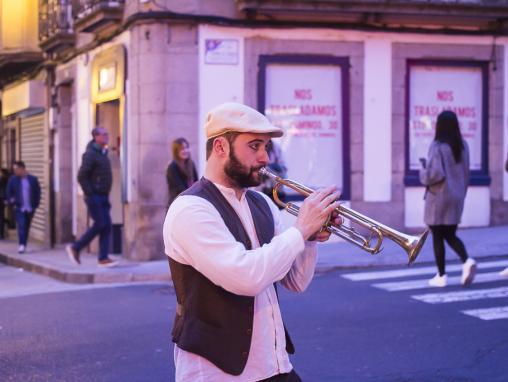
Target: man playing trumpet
[{"x": 227, "y": 250}]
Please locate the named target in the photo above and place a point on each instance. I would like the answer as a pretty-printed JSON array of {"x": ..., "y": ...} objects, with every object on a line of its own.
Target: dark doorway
[{"x": 108, "y": 116}]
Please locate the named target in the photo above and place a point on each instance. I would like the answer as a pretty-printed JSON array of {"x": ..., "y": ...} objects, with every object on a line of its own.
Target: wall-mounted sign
[
  {"x": 221, "y": 51},
  {"x": 108, "y": 74},
  {"x": 435, "y": 87},
  {"x": 107, "y": 77},
  {"x": 306, "y": 101}
]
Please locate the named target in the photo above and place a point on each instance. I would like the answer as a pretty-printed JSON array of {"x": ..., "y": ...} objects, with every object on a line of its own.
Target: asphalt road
[{"x": 344, "y": 330}]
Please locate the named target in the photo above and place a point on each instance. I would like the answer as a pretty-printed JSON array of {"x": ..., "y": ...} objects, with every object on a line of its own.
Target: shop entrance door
[{"x": 108, "y": 116}]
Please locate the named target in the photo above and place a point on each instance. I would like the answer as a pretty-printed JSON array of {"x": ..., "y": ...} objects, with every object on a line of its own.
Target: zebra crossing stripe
[
  {"x": 498, "y": 313},
  {"x": 440, "y": 298},
  {"x": 364, "y": 276},
  {"x": 421, "y": 284}
]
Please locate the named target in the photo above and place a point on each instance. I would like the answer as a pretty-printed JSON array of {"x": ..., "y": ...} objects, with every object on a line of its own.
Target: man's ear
[{"x": 221, "y": 147}]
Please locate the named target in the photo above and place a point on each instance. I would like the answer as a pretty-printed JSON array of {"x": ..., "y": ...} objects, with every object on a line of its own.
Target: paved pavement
[{"x": 480, "y": 242}]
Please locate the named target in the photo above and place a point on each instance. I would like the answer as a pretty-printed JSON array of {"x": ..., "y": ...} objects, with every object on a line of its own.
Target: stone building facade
[{"x": 149, "y": 71}]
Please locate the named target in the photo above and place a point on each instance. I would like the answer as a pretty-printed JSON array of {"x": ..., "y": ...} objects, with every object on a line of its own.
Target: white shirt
[
  {"x": 26, "y": 192},
  {"x": 195, "y": 234}
]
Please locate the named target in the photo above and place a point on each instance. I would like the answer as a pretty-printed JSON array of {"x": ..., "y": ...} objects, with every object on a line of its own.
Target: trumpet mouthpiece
[{"x": 263, "y": 171}]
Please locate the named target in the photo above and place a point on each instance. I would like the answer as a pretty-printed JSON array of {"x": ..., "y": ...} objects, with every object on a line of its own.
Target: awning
[{"x": 26, "y": 97}]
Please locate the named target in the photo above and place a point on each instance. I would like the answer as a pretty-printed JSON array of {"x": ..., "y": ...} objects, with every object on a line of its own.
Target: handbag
[{"x": 437, "y": 186}]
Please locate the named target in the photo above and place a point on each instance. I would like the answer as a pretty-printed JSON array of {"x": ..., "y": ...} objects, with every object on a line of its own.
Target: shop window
[
  {"x": 307, "y": 97},
  {"x": 434, "y": 86}
]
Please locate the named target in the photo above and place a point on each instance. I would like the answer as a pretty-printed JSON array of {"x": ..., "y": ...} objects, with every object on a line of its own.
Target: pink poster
[
  {"x": 305, "y": 101},
  {"x": 437, "y": 88}
]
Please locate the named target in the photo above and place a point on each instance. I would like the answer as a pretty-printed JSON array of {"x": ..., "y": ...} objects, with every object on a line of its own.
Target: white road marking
[
  {"x": 375, "y": 275},
  {"x": 497, "y": 313},
  {"x": 440, "y": 298},
  {"x": 421, "y": 284}
]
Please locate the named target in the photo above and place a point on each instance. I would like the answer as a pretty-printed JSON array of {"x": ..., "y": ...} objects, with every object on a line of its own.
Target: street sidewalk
[
  {"x": 480, "y": 242},
  {"x": 56, "y": 264}
]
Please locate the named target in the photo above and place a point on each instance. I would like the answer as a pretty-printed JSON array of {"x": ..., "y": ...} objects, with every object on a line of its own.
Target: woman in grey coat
[{"x": 446, "y": 175}]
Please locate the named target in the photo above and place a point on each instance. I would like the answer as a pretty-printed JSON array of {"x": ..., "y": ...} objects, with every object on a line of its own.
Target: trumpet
[{"x": 372, "y": 243}]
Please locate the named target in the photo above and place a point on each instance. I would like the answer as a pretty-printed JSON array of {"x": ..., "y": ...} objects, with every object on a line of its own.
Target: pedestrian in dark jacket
[
  {"x": 181, "y": 172},
  {"x": 504, "y": 272},
  {"x": 95, "y": 178},
  {"x": 446, "y": 175},
  {"x": 24, "y": 193}
]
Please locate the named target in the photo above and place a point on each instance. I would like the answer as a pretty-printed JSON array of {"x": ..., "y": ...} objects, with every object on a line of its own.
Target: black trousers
[
  {"x": 440, "y": 234},
  {"x": 287, "y": 377}
]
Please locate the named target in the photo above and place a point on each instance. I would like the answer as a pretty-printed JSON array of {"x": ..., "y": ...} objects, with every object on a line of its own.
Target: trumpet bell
[{"x": 415, "y": 245}]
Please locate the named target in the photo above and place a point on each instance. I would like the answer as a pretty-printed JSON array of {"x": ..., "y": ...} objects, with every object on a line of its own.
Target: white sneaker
[
  {"x": 439, "y": 281},
  {"x": 504, "y": 272},
  {"x": 21, "y": 249},
  {"x": 468, "y": 271}
]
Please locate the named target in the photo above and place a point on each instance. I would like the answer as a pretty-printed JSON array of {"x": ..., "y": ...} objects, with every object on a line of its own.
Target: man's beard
[{"x": 239, "y": 174}]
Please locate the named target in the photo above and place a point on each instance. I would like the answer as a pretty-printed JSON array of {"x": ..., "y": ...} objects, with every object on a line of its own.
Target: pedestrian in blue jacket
[{"x": 24, "y": 193}]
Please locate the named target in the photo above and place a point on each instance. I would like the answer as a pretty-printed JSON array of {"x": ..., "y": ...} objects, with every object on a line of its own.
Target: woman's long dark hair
[
  {"x": 448, "y": 131},
  {"x": 177, "y": 145},
  {"x": 186, "y": 166}
]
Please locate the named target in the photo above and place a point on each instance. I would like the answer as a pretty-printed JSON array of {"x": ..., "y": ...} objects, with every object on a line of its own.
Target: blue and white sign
[{"x": 221, "y": 51}]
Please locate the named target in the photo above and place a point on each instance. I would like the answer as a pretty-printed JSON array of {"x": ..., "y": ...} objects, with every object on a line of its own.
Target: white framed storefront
[{"x": 225, "y": 74}]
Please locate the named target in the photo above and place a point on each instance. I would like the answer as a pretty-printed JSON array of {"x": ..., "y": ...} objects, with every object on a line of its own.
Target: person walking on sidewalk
[
  {"x": 4, "y": 179},
  {"x": 227, "y": 250},
  {"x": 95, "y": 178},
  {"x": 504, "y": 272},
  {"x": 24, "y": 193},
  {"x": 446, "y": 175}
]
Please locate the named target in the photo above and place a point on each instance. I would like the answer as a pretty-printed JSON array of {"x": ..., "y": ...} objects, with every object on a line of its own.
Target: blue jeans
[
  {"x": 98, "y": 208},
  {"x": 23, "y": 221}
]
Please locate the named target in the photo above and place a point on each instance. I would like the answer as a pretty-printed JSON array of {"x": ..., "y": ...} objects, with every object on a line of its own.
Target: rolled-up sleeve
[{"x": 302, "y": 270}]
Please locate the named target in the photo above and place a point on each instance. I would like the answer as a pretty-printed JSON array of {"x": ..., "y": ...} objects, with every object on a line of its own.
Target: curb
[
  {"x": 119, "y": 275},
  {"x": 82, "y": 277}
]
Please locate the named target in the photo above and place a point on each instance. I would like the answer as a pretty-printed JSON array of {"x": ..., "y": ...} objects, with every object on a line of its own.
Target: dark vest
[{"x": 210, "y": 321}]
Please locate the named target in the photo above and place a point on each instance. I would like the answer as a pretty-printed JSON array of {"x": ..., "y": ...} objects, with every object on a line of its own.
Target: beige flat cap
[{"x": 239, "y": 118}]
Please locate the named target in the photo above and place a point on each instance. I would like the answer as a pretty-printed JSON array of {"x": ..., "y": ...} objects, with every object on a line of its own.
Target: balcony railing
[
  {"x": 56, "y": 24},
  {"x": 97, "y": 15},
  {"x": 89, "y": 6},
  {"x": 460, "y": 15}
]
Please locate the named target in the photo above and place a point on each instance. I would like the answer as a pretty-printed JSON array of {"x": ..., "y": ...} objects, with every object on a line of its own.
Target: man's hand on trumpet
[
  {"x": 323, "y": 234},
  {"x": 316, "y": 211}
]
